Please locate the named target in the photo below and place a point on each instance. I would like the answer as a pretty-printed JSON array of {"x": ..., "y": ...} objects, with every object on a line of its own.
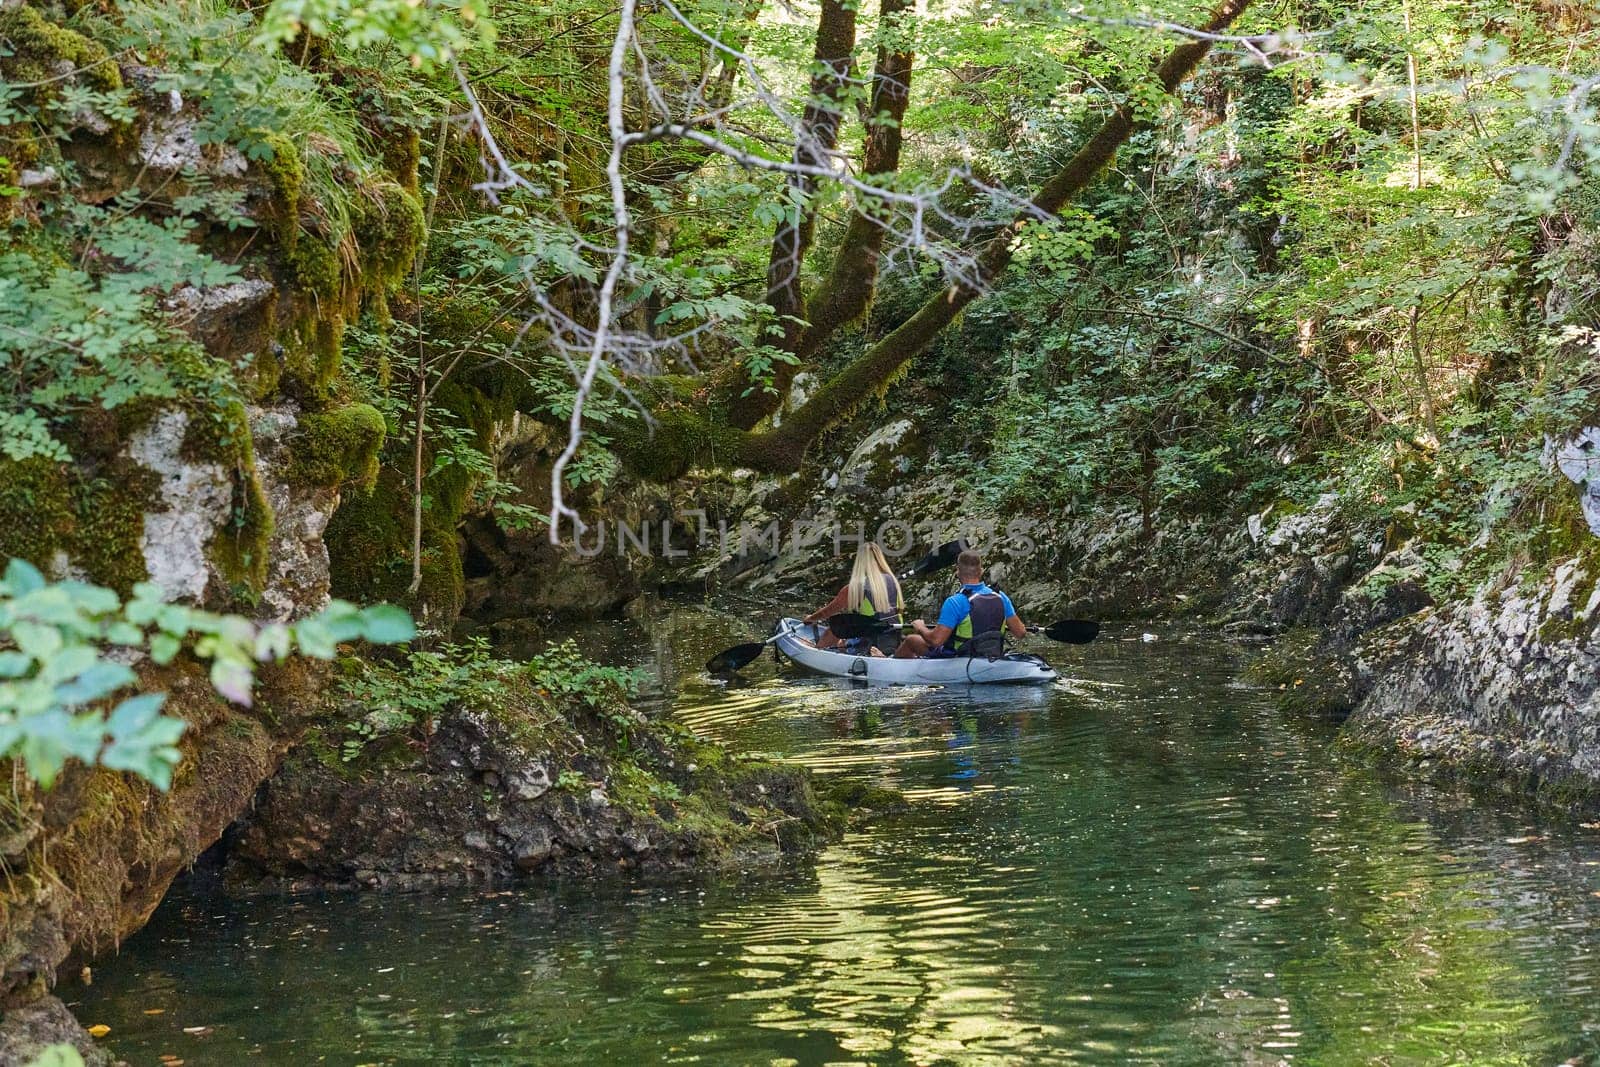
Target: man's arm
[
  {"x": 1013, "y": 621},
  {"x": 954, "y": 609}
]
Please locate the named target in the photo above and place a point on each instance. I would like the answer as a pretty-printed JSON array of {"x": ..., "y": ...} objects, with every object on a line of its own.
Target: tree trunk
[
  {"x": 875, "y": 369},
  {"x": 685, "y": 438},
  {"x": 848, "y": 288},
  {"x": 819, "y": 136}
]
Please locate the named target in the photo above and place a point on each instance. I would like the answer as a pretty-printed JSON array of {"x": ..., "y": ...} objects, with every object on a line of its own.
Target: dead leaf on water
[
  {"x": 155, "y": 1011},
  {"x": 99, "y": 1030}
]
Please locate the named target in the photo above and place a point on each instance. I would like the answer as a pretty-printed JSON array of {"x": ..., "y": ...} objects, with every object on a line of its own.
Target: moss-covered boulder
[{"x": 521, "y": 783}]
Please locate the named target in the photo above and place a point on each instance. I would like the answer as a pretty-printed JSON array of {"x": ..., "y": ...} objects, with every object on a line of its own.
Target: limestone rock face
[
  {"x": 192, "y": 504},
  {"x": 207, "y": 499},
  {"x": 1507, "y": 682},
  {"x": 1579, "y": 459},
  {"x": 170, "y": 144},
  {"x": 297, "y": 557}
]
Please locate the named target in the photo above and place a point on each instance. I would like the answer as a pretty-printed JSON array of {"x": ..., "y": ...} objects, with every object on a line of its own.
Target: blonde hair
[{"x": 871, "y": 579}]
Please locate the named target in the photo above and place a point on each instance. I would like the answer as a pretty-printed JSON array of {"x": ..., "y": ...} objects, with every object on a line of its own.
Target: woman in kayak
[{"x": 872, "y": 590}]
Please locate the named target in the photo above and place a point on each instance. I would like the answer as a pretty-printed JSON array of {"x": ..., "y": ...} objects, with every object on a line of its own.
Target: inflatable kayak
[{"x": 796, "y": 640}]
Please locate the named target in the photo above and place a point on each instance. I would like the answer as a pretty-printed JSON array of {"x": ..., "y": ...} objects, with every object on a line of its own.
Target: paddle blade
[
  {"x": 1072, "y": 631},
  {"x": 850, "y": 624},
  {"x": 937, "y": 560},
  {"x": 735, "y": 657}
]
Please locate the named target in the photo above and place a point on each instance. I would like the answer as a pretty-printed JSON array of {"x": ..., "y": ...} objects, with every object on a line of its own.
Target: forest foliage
[{"x": 1322, "y": 249}]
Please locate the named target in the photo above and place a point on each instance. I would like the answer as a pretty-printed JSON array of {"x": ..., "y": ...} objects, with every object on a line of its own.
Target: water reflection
[{"x": 1144, "y": 864}]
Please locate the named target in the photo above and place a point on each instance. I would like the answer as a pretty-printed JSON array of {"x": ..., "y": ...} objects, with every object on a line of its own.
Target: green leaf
[
  {"x": 40, "y": 642},
  {"x": 57, "y": 1056},
  {"x": 142, "y": 740},
  {"x": 125, "y": 634},
  {"x": 134, "y": 714},
  {"x": 314, "y": 639},
  {"x": 273, "y": 643},
  {"x": 233, "y": 680},
  {"x": 386, "y": 624},
  {"x": 52, "y": 737},
  {"x": 22, "y": 578},
  {"x": 67, "y": 664},
  {"x": 163, "y": 647},
  {"x": 99, "y": 681}
]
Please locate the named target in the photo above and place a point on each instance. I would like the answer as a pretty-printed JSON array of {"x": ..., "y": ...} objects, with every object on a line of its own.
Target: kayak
[{"x": 797, "y": 641}]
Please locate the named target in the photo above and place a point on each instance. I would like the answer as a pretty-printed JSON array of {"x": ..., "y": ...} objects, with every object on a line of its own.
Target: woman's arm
[{"x": 839, "y": 603}]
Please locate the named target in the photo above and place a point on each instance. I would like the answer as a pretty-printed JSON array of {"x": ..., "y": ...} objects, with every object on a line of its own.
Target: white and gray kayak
[{"x": 797, "y": 641}]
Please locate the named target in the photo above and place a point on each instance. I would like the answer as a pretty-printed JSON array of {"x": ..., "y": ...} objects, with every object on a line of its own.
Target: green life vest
[{"x": 893, "y": 612}]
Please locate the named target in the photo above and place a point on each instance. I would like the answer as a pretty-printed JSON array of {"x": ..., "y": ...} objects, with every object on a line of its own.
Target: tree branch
[{"x": 875, "y": 369}]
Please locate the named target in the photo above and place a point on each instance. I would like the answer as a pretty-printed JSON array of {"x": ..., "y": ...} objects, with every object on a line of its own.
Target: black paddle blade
[
  {"x": 735, "y": 657},
  {"x": 1072, "y": 631},
  {"x": 937, "y": 560},
  {"x": 850, "y": 624}
]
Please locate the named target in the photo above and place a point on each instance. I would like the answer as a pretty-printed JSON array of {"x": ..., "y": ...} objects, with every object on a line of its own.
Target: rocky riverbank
[{"x": 514, "y": 780}]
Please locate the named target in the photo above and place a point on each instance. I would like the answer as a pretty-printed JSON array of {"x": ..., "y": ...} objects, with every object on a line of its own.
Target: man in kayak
[{"x": 971, "y": 622}]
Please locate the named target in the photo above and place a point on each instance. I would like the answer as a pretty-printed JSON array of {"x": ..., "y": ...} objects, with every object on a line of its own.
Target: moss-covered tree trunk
[{"x": 684, "y": 436}]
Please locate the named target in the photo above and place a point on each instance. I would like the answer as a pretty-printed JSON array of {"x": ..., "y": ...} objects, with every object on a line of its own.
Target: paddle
[
  {"x": 1069, "y": 631},
  {"x": 937, "y": 560},
  {"x": 850, "y": 625},
  {"x": 739, "y": 655}
]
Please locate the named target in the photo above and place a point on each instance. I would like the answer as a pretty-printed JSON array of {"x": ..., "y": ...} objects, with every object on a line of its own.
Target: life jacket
[
  {"x": 893, "y": 612},
  {"x": 981, "y": 633}
]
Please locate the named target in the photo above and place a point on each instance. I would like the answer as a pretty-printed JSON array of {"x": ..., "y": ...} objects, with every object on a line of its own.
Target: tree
[{"x": 686, "y": 435}]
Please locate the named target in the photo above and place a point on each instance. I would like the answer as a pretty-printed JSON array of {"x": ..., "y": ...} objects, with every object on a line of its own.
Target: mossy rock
[
  {"x": 369, "y": 550},
  {"x": 339, "y": 447},
  {"x": 52, "y": 514},
  {"x": 240, "y": 549},
  {"x": 389, "y": 227},
  {"x": 287, "y": 176},
  {"x": 37, "y": 49}
]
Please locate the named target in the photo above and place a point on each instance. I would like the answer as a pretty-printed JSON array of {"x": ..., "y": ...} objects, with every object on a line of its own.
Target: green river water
[{"x": 1147, "y": 863}]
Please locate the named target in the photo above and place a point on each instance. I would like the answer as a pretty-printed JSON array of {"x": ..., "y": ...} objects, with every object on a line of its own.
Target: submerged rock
[{"x": 33, "y": 1027}]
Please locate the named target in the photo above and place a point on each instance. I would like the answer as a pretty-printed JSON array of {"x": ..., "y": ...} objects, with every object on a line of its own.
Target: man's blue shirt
[{"x": 958, "y": 607}]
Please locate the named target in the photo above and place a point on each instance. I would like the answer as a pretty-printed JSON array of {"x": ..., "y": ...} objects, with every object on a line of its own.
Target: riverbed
[{"x": 1145, "y": 863}]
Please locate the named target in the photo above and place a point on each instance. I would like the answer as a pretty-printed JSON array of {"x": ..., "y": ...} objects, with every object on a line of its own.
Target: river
[{"x": 1147, "y": 863}]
